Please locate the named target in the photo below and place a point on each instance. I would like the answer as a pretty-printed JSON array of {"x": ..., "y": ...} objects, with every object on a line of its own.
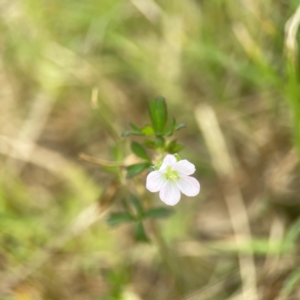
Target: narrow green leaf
[
  {"x": 158, "y": 114},
  {"x": 179, "y": 126},
  {"x": 136, "y": 169},
  {"x": 116, "y": 219},
  {"x": 169, "y": 130},
  {"x": 137, "y": 204},
  {"x": 139, "y": 151},
  {"x": 134, "y": 127},
  {"x": 140, "y": 234},
  {"x": 173, "y": 147},
  {"x": 176, "y": 148},
  {"x": 158, "y": 212},
  {"x": 131, "y": 132}
]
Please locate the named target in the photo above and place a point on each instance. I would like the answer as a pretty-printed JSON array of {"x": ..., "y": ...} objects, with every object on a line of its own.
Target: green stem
[{"x": 167, "y": 256}]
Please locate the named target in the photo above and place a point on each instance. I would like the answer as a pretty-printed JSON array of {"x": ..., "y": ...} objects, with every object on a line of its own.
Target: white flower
[{"x": 172, "y": 178}]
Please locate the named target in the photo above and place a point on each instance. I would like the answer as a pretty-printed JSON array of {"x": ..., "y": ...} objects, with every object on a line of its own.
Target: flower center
[{"x": 171, "y": 174}]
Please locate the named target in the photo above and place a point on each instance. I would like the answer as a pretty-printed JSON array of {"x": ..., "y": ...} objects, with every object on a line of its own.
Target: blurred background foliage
[{"x": 75, "y": 73}]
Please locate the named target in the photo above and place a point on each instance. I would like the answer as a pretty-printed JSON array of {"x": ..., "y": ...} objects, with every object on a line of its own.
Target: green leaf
[
  {"x": 179, "y": 126},
  {"x": 158, "y": 114},
  {"x": 140, "y": 234},
  {"x": 137, "y": 204},
  {"x": 149, "y": 144},
  {"x": 131, "y": 132},
  {"x": 169, "y": 130},
  {"x": 176, "y": 148},
  {"x": 136, "y": 169},
  {"x": 158, "y": 212},
  {"x": 148, "y": 130},
  {"x": 134, "y": 127},
  {"x": 116, "y": 219},
  {"x": 139, "y": 151},
  {"x": 173, "y": 147}
]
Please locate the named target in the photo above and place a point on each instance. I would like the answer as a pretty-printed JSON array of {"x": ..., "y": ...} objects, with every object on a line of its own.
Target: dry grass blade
[
  {"x": 246, "y": 40},
  {"x": 149, "y": 9},
  {"x": 276, "y": 234},
  {"x": 291, "y": 29},
  {"x": 223, "y": 166},
  {"x": 33, "y": 126}
]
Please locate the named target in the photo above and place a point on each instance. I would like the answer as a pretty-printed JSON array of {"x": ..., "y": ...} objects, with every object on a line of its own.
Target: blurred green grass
[{"x": 230, "y": 55}]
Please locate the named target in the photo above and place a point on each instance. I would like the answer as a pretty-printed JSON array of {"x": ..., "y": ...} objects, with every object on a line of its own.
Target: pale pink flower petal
[
  {"x": 170, "y": 193},
  {"x": 172, "y": 179},
  {"x": 188, "y": 185},
  {"x": 169, "y": 160},
  {"x": 155, "y": 181},
  {"x": 184, "y": 167}
]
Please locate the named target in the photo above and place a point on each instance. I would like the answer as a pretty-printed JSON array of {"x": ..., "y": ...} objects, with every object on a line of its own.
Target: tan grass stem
[{"x": 223, "y": 165}]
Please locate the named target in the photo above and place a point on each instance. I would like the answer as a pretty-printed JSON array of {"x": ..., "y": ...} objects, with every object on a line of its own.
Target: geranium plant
[{"x": 167, "y": 173}]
